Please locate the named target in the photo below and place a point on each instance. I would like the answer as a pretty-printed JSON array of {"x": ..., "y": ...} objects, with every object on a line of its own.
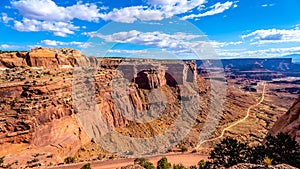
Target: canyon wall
[
  {"x": 289, "y": 123},
  {"x": 37, "y": 108}
]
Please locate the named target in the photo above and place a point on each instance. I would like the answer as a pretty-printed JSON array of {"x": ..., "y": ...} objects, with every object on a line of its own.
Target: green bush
[
  {"x": 282, "y": 149},
  {"x": 230, "y": 152},
  {"x": 140, "y": 161},
  {"x": 148, "y": 165},
  {"x": 69, "y": 160},
  {"x": 86, "y": 166},
  {"x": 1, "y": 160},
  {"x": 204, "y": 164},
  {"x": 179, "y": 166},
  {"x": 279, "y": 149},
  {"x": 183, "y": 148},
  {"x": 163, "y": 164},
  {"x": 144, "y": 163}
]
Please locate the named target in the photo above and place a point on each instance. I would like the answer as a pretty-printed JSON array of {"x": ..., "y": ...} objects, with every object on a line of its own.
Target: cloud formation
[
  {"x": 55, "y": 43},
  {"x": 215, "y": 9},
  {"x": 33, "y": 25},
  {"x": 156, "y": 39},
  {"x": 47, "y": 10},
  {"x": 273, "y": 36},
  {"x": 5, "y": 19},
  {"x": 6, "y": 46},
  {"x": 262, "y": 53}
]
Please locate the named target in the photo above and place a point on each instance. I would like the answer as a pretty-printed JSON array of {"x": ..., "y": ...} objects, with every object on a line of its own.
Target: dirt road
[
  {"x": 239, "y": 121},
  {"x": 187, "y": 159}
]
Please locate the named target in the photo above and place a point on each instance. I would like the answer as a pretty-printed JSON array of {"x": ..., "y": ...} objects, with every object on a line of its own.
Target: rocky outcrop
[
  {"x": 289, "y": 123},
  {"x": 14, "y": 59},
  {"x": 52, "y": 58},
  {"x": 132, "y": 167},
  {"x": 43, "y": 58},
  {"x": 150, "y": 79},
  {"x": 256, "y": 166}
]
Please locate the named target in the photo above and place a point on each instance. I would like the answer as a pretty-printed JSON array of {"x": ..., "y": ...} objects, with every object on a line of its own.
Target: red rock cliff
[{"x": 289, "y": 123}]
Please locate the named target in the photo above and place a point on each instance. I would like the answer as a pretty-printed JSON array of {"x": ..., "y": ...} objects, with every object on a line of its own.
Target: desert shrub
[
  {"x": 276, "y": 150},
  {"x": 257, "y": 154},
  {"x": 148, "y": 165},
  {"x": 183, "y": 148},
  {"x": 179, "y": 166},
  {"x": 140, "y": 161},
  {"x": 268, "y": 161},
  {"x": 229, "y": 152},
  {"x": 1, "y": 160},
  {"x": 282, "y": 149},
  {"x": 69, "y": 160},
  {"x": 163, "y": 164},
  {"x": 33, "y": 161},
  {"x": 86, "y": 166},
  {"x": 144, "y": 163},
  {"x": 49, "y": 156},
  {"x": 204, "y": 164}
]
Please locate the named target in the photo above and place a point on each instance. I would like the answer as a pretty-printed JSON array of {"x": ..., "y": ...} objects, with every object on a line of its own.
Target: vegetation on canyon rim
[{"x": 276, "y": 150}]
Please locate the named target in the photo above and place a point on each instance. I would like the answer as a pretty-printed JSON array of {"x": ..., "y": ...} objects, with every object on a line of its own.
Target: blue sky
[{"x": 231, "y": 28}]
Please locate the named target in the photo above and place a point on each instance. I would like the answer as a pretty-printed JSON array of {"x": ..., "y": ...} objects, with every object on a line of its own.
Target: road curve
[
  {"x": 187, "y": 159},
  {"x": 239, "y": 121}
]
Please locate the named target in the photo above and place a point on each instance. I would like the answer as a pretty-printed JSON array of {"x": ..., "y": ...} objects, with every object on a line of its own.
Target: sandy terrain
[{"x": 187, "y": 159}]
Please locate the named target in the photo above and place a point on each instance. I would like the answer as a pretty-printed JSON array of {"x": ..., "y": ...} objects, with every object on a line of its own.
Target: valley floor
[{"x": 187, "y": 159}]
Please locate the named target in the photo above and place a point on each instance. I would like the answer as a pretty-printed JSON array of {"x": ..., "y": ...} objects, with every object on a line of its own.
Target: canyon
[{"x": 51, "y": 101}]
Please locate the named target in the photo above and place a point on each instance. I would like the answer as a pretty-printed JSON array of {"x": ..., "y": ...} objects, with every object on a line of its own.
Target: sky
[{"x": 135, "y": 28}]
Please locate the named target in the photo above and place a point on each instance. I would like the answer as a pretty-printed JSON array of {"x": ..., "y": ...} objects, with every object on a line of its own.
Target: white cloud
[
  {"x": 60, "y": 43},
  {"x": 119, "y": 51},
  {"x": 47, "y": 10},
  {"x": 178, "y": 43},
  {"x": 131, "y": 14},
  {"x": 32, "y": 25},
  {"x": 271, "y": 52},
  {"x": 160, "y": 9},
  {"x": 215, "y": 9},
  {"x": 6, "y": 46},
  {"x": 273, "y": 36},
  {"x": 5, "y": 18},
  {"x": 46, "y": 15},
  {"x": 174, "y": 7},
  {"x": 157, "y": 39},
  {"x": 267, "y": 5}
]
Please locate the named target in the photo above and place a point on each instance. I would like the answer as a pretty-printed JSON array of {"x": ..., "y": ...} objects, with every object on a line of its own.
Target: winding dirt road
[
  {"x": 187, "y": 159},
  {"x": 239, "y": 121}
]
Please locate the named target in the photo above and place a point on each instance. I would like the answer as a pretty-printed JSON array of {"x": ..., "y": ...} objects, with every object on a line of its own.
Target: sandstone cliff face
[
  {"x": 10, "y": 60},
  {"x": 37, "y": 108},
  {"x": 289, "y": 123},
  {"x": 42, "y": 57}
]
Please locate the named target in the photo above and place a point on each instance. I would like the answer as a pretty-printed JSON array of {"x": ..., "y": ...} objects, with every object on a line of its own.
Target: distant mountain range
[{"x": 295, "y": 58}]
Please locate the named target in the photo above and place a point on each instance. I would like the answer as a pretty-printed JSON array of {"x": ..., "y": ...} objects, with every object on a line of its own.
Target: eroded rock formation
[
  {"x": 289, "y": 123},
  {"x": 37, "y": 100}
]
